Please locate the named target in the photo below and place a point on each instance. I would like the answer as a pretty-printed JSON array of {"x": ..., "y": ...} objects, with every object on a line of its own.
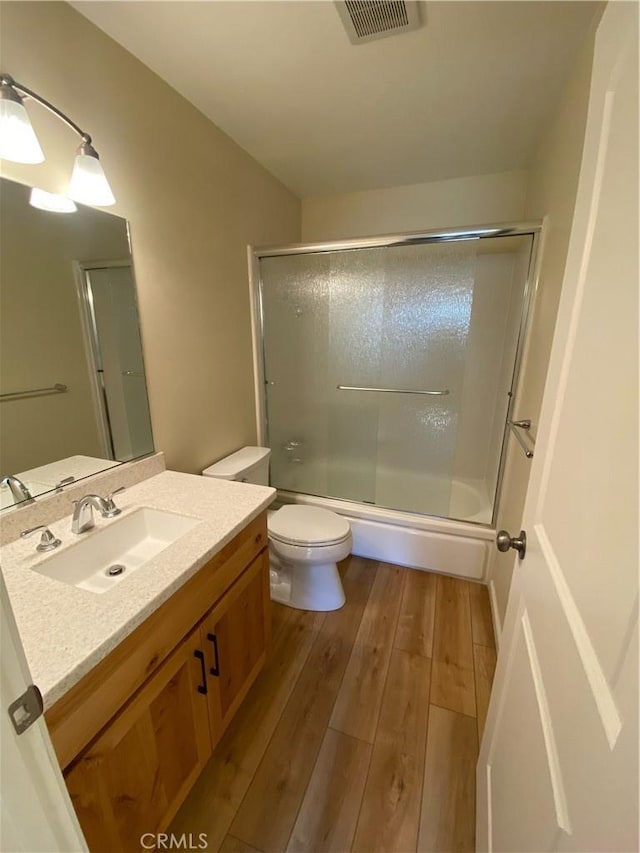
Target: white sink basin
[{"x": 128, "y": 542}]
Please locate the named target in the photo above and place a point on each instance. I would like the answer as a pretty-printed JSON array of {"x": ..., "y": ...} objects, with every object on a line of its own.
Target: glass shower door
[
  {"x": 119, "y": 362},
  {"x": 305, "y": 338},
  {"x": 351, "y": 340},
  {"x": 356, "y": 297},
  {"x": 428, "y": 296}
]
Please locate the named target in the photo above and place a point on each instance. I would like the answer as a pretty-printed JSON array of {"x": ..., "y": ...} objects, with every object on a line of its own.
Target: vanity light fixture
[
  {"x": 51, "y": 202},
  {"x": 19, "y": 143}
]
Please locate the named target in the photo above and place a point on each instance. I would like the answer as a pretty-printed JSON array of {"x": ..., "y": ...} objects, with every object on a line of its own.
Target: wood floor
[{"x": 362, "y": 731}]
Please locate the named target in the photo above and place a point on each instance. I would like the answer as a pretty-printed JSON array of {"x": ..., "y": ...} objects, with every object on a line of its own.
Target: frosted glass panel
[
  {"x": 427, "y": 311},
  {"x": 295, "y": 306},
  {"x": 383, "y": 317},
  {"x": 356, "y": 318},
  {"x": 500, "y": 276},
  {"x": 424, "y": 317}
]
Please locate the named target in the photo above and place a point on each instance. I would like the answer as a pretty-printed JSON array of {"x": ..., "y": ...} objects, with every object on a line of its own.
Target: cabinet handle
[
  {"x": 215, "y": 669},
  {"x": 202, "y": 688}
]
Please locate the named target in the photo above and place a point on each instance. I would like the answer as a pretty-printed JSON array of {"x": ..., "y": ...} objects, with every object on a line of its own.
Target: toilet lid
[{"x": 307, "y": 525}]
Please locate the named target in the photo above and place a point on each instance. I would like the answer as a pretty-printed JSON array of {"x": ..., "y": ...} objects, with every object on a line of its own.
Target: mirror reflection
[{"x": 73, "y": 395}]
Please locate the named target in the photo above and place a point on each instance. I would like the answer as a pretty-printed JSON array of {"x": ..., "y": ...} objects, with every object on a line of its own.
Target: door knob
[{"x": 504, "y": 541}]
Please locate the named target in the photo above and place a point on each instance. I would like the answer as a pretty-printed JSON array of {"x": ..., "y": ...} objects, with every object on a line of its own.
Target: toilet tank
[{"x": 248, "y": 465}]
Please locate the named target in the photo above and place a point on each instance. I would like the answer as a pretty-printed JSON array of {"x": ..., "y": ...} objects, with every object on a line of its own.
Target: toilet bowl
[
  {"x": 305, "y": 545},
  {"x": 305, "y": 542}
]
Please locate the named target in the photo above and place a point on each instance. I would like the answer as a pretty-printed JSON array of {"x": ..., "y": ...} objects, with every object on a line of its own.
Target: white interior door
[
  {"x": 36, "y": 811},
  {"x": 558, "y": 766}
]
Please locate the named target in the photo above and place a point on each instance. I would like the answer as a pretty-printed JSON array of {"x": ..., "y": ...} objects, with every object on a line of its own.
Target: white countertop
[{"x": 65, "y": 630}]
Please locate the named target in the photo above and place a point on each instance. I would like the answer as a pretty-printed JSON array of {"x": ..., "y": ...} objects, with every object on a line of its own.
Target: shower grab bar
[
  {"x": 393, "y": 390},
  {"x": 525, "y": 425},
  {"x": 58, "y": 388}
]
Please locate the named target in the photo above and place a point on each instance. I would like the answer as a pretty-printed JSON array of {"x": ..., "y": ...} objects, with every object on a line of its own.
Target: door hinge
[{"x": 26, "y": 709}]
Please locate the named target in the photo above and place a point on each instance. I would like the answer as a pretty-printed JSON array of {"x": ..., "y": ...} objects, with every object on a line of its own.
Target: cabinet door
[
  {"x": 236, "y": 635},
  {"x": 134, "y": 776}
]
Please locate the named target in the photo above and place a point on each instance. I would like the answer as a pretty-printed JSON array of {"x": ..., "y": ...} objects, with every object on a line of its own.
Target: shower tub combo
[{"x": 385, "y": 370}]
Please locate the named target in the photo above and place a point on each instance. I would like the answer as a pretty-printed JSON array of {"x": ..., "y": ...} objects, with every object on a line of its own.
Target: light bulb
[
  {"x": 51, "y": 202},
  {"x": 88, "y": 183},
  {"x": 18, "y": 141}
]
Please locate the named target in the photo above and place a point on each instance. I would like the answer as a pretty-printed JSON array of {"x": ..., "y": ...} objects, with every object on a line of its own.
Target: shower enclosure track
[{"x": 483, "y": 232}]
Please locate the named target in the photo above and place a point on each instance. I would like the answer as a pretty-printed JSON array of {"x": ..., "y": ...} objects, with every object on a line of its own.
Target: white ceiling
[{"x": 469, "y": 93}]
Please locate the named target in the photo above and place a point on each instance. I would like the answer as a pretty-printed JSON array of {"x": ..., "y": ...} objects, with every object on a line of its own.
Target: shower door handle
[{"x": 393, "y": 390}]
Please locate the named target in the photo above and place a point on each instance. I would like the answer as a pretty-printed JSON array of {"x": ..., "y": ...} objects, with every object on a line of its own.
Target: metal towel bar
[
  {"x": 393, "y": 390},
  {"x": 58, "y": 388},
  {"x": 516, "y": 426}
]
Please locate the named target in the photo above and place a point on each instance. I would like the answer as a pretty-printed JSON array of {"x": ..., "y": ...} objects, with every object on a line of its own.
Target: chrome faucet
[
  {"x": 83, "y": 510},
  {"x": 20, "y": 492}
]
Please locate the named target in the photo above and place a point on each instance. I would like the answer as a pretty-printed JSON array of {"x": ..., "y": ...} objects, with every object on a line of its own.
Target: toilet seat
[
  {"x": 305, "y": 543},
  {"x": 307, "y": 525}
]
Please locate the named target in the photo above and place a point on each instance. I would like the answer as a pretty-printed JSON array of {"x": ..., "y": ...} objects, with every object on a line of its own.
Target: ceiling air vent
[{"x": 366, "y": 20}]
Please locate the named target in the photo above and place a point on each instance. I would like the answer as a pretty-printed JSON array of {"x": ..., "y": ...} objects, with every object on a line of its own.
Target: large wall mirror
[{"x": 73, "y": 396}]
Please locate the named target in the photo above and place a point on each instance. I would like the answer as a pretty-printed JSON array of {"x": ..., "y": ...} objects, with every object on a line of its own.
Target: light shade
[
  {"x": 18, "y": 141},
  {"x": 51, "y": 201},
  {"x": 89, "y": 184}
]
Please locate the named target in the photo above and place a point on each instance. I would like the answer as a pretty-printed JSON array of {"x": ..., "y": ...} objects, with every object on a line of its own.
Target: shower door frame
[
  {"x": 84, "y": 294},
  {"x": 531, "y": 229}
]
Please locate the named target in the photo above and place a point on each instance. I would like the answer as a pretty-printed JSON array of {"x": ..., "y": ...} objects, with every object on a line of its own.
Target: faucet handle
[
  {"x": 48, "y": 541},
  {"x": 111, "y": 509}
]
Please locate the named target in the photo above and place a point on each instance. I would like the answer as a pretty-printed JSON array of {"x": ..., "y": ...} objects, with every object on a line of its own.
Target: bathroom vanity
[{"x": 140, "y": 682}]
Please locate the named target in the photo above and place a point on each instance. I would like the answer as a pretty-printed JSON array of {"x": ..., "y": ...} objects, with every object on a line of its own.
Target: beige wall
[
  {"x": 475, "y": 200},
  {"x": 551, "y": 195},
  {"x": 194, "y": 200}
]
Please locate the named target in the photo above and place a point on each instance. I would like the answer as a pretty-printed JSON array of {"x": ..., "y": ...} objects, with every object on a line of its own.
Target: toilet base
[{"x": 304, "y": 586}]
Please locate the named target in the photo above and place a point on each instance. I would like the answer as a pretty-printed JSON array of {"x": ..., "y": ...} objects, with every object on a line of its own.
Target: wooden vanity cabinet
[
  {"x": 137, "y": 765},
  {"x": 135, "y": 775},
  {"x": 235, "y": 636}
]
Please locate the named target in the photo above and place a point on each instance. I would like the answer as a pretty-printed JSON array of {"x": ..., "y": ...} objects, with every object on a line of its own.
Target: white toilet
[{"x": 305, "y": 542}]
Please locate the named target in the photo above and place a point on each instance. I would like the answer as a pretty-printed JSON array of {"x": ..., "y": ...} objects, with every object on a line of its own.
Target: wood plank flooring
[{"x": 361, "y": 733}]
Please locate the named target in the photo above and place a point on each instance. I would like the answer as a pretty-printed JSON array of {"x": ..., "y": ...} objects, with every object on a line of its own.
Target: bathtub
[
  {"x": 470, "y": 501},
  {"x": 454, "y": 547}
]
